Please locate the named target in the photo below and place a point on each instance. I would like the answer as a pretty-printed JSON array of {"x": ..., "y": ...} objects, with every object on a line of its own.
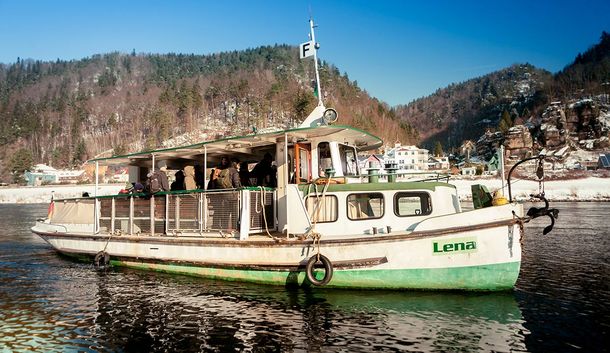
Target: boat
[{"x": 324, "y": 222}]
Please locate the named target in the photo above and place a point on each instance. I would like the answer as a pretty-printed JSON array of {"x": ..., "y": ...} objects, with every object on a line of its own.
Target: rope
[
  {"x": 262, "y": 189},
  {"x": 521, "y": 221},
  {"x": 108, "y": 241},
  {"x": 316, "y": 212},
  {"x": 513, "y": 183},
  {"x": 506, "y": 186}
]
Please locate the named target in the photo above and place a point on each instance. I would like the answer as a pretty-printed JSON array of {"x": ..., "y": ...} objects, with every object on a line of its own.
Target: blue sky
[{"x": 396, "y": 50}]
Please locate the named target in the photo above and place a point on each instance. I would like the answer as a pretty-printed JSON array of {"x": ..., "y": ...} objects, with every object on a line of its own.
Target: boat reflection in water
[{"x": 180, "y": 313}]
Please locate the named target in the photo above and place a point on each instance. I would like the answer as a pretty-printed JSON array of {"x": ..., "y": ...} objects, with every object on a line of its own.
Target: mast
[
  {"x": 307, "y": 49},
  {"x": 502, "y": 176},
  {"x": 315, "y": 60}
]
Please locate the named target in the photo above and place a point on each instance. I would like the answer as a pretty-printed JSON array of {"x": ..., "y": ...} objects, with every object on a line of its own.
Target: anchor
[{"x": 535, "y": 212}]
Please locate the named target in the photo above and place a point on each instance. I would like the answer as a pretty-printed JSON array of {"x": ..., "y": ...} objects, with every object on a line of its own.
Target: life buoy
[
  {"x": 101, "y": 260},
  {"x": 328, "y": 270}
]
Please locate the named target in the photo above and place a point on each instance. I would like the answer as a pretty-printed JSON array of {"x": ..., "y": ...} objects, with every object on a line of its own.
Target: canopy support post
[
  {"x": 205, "y": 187},
  {"x": 95, "y": 205}
]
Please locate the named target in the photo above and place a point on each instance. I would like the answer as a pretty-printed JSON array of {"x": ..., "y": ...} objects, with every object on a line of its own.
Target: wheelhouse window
[
  {"x": 349, "y": 161},
  {"x": 326, "y": 211},
  {"x": 365, "y": 206},
  {"x": 303, "y": 165},
  {"x": 407, "y": 204},
  {"x": 324, "y": 158}
]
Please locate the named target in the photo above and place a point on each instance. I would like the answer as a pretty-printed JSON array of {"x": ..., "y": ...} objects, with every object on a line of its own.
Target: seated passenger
[{"x": 137, "y": 188}]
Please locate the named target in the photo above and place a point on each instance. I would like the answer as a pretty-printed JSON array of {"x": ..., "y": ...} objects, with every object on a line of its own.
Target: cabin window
[
  {"x": 365, "y": 206},
  {"x": 327, "y": 210},
  {"x": 413, "y": 203},
  {"x": 324, "y": 158},
  {"x": 348, "y": 160}
]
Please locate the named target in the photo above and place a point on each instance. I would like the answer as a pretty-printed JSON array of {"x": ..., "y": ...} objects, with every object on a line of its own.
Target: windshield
[{"x": 348, "y": 160}]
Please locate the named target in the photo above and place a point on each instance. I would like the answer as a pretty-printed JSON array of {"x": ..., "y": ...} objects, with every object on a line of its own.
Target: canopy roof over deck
[{"x": 245, "y": 145}]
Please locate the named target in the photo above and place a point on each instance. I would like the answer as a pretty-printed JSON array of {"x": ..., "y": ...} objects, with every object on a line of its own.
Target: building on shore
[
  {"x": 468, "y": 171},
  {"x": 44, "y": 174},
  {"x": 407, "y": 158},
  {"x": 439, "y": 163},
  {"x": 370, "y": 161}
]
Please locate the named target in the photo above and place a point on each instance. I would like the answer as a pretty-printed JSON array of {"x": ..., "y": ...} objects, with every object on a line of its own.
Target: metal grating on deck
[
  {"x": 184, "y": 213},
  {"x": 257, "y": 219},
  {"x": 223, "y": 210}
]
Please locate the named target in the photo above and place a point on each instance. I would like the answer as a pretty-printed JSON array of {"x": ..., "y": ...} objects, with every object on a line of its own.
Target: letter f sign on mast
[{"x": 307, "y": 49}]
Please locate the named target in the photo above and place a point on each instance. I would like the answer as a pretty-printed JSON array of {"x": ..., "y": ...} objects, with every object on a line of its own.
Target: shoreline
[{"x": 590, "y": 189}]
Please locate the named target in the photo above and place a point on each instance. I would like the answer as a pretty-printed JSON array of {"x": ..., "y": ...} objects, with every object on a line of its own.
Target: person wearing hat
[{"x": 163, "y": 177}]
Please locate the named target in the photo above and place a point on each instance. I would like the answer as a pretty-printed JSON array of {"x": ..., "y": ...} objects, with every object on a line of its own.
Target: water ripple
[{"x": 50, "y": 304}]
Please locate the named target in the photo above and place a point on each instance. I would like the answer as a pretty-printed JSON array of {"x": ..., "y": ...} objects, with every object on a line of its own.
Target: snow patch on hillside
[
  {"x": 587, "y": 189},
  {"x": 42, "y": 194}
]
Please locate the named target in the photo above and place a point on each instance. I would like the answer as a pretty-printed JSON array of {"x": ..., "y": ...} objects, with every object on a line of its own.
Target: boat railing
[{"x": 182, "y": 212}]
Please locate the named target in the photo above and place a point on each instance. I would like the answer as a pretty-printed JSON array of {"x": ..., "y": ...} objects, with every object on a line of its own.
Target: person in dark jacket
[
  {"x": 263, "y": 171},
  {"x": 244, "y": 174},
  {"x": 178, "y": 184},
  {"x": 234, "y": 173},
  {"x": 161, "y": 177}
]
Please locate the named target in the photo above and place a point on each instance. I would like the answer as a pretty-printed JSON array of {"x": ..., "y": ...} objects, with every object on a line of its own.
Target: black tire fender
[
  {"x": 328, "y": 270},
  {"x": 101, "y": 260}
]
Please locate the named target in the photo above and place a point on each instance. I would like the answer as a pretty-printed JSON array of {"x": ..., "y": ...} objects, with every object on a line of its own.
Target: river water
[{"x": 561, "y": 303}]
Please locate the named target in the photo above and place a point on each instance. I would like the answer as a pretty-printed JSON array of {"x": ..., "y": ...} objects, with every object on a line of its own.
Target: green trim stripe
[{"x": 483, "y": 277}]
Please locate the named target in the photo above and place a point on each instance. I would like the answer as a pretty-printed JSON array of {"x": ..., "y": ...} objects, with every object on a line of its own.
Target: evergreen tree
[
  {"x": 21, "y": 162},
  {"x": 301, "y": 105},
  {"x": 80, "y": 152},
  {"x": 505, "y": 122},
  {"x": 438, "y": 149}
]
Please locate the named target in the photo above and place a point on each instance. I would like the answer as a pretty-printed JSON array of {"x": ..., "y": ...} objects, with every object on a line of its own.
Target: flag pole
[
  {"x": 501, "y": 156},
  {"x": 315, "y": 60}
]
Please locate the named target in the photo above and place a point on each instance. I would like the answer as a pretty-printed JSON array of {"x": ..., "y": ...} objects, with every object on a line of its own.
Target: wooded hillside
[{"x": 65, "y": 112}]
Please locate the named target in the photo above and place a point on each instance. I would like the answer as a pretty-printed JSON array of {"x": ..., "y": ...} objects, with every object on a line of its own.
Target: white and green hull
[
  {"x": 468, "y": 251},
  {"x": 490, "y": 277}
]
